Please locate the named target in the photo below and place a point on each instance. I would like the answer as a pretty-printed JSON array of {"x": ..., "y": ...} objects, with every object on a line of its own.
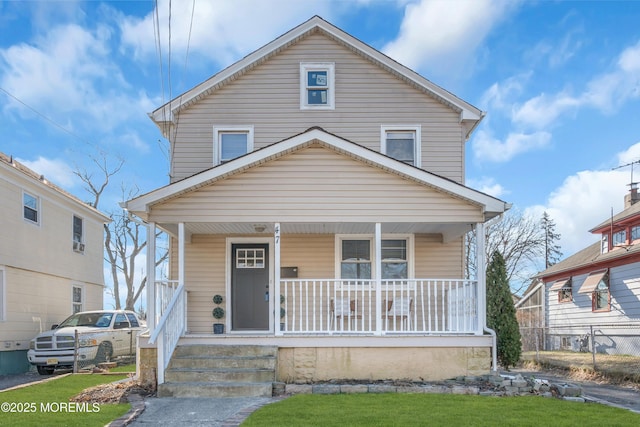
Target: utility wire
[{"x": 51, "y": 121}]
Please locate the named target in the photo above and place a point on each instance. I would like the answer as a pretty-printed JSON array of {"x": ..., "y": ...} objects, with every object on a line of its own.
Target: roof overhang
[{"x": 141, "y": 206}]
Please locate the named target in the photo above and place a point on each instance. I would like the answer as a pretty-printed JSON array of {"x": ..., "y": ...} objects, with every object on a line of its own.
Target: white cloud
[
  {"x": 632, "y": 154},
  {"x": 488, "y": 148},
  {"x": 500, "y": 96},
  {"x": 605, "y": 92},
  {"x": 222, "y": 30},
  {"x": 488, "y": 186},
  {"x": 442, "y": 36},
  {"x": 55, "y": 171},
  {"x": 584, "y": 200}
]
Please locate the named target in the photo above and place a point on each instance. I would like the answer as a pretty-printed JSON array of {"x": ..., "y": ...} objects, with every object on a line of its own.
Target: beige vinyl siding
[
  {"x": 314, "y": 255},
  {"x": 35, "y": 301},
  {"x": 435, "y": 259},
  {"x": 316, "y": 184},
  {"x": 367, "y": 97}
]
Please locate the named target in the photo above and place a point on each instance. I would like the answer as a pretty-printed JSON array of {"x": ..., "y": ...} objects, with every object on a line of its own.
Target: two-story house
[
  {"x": 593, "y": 297},
  {"x": 318, "y": 186},
  {"x": 51, "y": 259}
]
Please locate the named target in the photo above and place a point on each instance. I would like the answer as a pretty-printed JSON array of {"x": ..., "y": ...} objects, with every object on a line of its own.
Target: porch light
[{"x": 259, "y": 228}]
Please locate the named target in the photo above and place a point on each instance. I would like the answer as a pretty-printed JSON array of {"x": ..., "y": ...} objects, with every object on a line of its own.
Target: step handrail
[{"x": 170, "y": 328}]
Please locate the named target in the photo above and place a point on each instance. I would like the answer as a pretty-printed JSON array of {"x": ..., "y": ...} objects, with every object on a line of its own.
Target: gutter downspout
[{"x": 494, "y": 348}]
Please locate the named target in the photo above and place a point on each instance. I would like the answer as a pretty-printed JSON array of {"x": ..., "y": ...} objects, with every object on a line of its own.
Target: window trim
[
  {"x": 82, "y": 298},
  {"x": 594, "y": 296},
  {"x": 410, "y": 238},
  {"x": 217, "y": 147},
  {"x": 38, "y": 209},
  {"x": 329, "y": 67},
  {"x": 77, "y": 245},
  {"x": 417, "y": 149},
  {"x": 617, "y": 242}
]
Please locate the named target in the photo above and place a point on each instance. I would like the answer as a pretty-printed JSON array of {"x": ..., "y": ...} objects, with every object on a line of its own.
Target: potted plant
[{"x": 218, "y": 313}]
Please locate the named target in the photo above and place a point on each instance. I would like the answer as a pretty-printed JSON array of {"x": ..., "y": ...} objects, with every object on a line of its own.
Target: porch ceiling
[{"x": 449, "y": 231}]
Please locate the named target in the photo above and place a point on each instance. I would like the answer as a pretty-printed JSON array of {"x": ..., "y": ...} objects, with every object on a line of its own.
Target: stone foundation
[{"x": 146, "y": 367}]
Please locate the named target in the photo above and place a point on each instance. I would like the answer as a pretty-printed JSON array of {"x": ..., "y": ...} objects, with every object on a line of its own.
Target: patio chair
[
  {"x": 343, "y": 308},
  {"x": 398, "y": 310}
]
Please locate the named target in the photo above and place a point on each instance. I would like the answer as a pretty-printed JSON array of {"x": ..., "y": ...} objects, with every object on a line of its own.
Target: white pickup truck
[{"x": 101, "y": 335}]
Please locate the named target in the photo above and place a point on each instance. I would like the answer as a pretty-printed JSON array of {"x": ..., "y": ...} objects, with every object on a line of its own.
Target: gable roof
[
  {"x": 629, "y": 214},
  {"x": 166, "y": 113},
  {"x": 11, "y": 164},
  {"x": 141, "y": 205}
]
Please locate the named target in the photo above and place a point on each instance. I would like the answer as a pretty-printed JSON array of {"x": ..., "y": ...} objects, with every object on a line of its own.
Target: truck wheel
[
  {"x": 104, "y": 352},
  {"x": 45, "y": 370}
]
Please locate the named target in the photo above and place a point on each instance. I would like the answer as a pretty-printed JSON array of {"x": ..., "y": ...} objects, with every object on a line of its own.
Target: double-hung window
[
  {"x": 77, "y": 299},
  {"x": 31, "y": 207},
  {"x": 317, "y": 86},
  {"x": 402, "y": 143},
  {"x": 78, "y": 234},
  {"x": 230, "y": 142},
  {"x": 635, "y": 232},
  {"x": 620, "y": 238},
  {"x": 357, "y": 260}
]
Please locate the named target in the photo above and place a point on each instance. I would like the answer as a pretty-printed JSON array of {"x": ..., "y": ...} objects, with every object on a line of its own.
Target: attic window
[
  {"x": 230, "y": 142},
  {"x": 317, "y": 86}
]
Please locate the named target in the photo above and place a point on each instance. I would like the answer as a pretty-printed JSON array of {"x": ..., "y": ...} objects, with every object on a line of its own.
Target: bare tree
[
  {"x": 125, "y": 238},
  {"x": 520, "y": 241},
  {"x": 552, "y": 253}
]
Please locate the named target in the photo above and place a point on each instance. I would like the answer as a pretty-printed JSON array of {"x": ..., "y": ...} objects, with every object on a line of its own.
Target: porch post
[
  {"x": 151, "y": 276},
  {"x": 276, "y": 278},
  {"x": 481, "y": 273},
  {"x": 181, "y": 253},
  {"x": 378, "y": 255}
]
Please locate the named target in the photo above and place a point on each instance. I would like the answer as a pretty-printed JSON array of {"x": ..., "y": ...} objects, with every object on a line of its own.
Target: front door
[{"x": 250, "y": 286}]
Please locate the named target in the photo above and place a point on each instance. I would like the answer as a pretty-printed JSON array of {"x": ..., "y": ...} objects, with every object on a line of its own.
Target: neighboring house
[
  {"x": 530, "y": 312},
  {"x": 51, "y": 259},
  {"x": 320, "y": 177},
  {"x": 594, "y": 295}
]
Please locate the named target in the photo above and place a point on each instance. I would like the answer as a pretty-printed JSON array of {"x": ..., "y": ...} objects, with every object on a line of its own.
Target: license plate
[{"x": 52, "y": 361}]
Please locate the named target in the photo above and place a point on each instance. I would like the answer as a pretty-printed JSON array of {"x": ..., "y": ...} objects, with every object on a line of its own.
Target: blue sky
[{"x": 559, "y": 80}]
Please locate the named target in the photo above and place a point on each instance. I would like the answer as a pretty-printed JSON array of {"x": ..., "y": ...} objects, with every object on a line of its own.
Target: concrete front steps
[{"x": 201, "y": 370}]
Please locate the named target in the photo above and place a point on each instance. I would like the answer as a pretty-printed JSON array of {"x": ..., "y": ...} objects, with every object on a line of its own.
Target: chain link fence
[
  {"x": 91, "y": 349},
  {"x": 602, "y": 341}
]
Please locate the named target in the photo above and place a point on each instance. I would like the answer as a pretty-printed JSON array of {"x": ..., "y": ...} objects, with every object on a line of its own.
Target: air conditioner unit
[{"x": 78, "y": 247}]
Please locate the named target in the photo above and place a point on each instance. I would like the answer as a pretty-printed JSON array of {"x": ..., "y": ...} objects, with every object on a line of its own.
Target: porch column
[
  {"x": 276, "y": 278},
  {"x": 481, "y": 272},
  {"x": 181, "y": 256},
  {"x": 151, "y": 276},
  {"x": 378, "y": 278}
]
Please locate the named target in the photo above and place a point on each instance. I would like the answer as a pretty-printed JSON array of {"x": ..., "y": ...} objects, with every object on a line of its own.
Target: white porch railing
[
  {"x": 170, "y": 327},
  {"x": 425, "y": 306}
]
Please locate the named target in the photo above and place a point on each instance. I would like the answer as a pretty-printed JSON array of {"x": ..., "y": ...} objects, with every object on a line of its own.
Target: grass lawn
[
  {"x": 43, "y": 404},
  {"x": 124, "y": 368},
  {"x": 396, "y": 409}
]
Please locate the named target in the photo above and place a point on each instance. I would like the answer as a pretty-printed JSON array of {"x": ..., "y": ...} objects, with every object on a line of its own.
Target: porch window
[
  {"x": 356, "y": 259},
  {"x": 231, "y": 142},
  {"x": 402, "y": 143},
  {"x": 31, "y": 207},
  {"x": 394, "y": 259},
  {"x": 317, "y": 86}
]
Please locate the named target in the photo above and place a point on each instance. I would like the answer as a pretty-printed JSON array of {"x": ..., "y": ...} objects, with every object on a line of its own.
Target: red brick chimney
[{"x": 632, "y": 197}]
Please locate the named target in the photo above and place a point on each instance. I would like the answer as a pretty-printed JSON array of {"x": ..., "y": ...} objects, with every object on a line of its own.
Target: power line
[{"x": 51, "y": 121}]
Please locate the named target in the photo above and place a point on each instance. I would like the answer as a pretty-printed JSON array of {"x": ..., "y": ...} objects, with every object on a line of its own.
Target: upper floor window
[
  {"x": 620, "y": 238},
  {"x": 402, "y": 143},
  {"x": 78, "y": 234},
  {"x": 31, "y": 207},
  {"x": 317, "y": 86},
  {"x": 597, "y": 284},
  {"x": 635, "y": 232},
  {"x": 77, "y": 299},
  {"x": 604, "y": 244},
  {"x": 230, "y": 142}
]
